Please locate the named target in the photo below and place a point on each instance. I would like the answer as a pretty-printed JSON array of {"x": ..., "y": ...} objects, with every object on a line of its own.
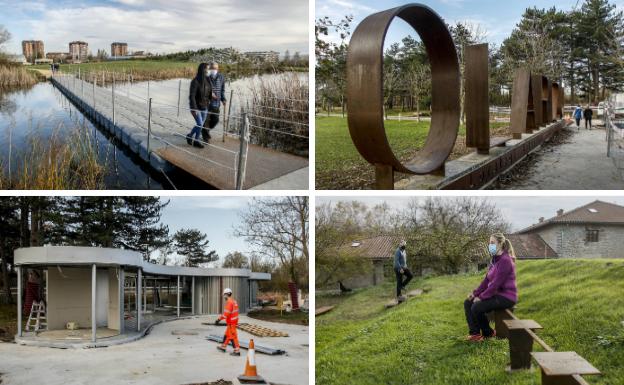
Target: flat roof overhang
[{"x": 109, "y": 257}]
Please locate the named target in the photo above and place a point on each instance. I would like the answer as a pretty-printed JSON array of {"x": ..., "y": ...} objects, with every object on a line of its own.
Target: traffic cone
[{"x": 251, "y": 373}]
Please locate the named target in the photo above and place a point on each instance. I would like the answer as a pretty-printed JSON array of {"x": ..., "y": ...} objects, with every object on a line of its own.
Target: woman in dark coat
[{"x": 200, "y": 95}]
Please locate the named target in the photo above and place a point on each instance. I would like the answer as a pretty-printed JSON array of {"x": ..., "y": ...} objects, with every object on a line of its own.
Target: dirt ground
[{"x": 160, "y": 358}]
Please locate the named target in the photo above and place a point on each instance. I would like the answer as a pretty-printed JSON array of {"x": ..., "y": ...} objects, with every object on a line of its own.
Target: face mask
[
  {"x": 402, "y": 247},
  {"x": 492, "y": 249},
  {"x": 213, "y": 72}
]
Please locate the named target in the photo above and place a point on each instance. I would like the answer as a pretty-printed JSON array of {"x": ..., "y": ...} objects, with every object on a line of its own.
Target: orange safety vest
[{"x": 230, "y": 313}]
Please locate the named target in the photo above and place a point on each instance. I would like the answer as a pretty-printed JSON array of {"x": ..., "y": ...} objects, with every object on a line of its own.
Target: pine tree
[
  {"x": 192, "y": 244},
  {"x": 143, "y": 231}
]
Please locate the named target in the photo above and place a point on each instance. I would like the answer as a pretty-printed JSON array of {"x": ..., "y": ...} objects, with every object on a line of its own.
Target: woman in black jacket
[{"x": 199, "y": 98}]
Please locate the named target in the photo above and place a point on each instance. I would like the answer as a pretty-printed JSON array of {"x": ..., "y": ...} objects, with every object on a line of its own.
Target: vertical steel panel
[
  {"x": 93, "y": 298},
  {"x": 477, "y": 100}
]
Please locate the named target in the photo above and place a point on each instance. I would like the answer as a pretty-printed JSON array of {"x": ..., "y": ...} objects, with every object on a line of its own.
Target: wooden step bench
[
  {"x": 563, "y": 368},
  {"x": 520, "y": 336},
  {"x": 499, "y": 316}
]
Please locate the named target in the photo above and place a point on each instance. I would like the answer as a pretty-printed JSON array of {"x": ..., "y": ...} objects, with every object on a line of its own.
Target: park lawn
[
  {"x": 339, "y": 165},
  {"x": 580, "y": 304}
]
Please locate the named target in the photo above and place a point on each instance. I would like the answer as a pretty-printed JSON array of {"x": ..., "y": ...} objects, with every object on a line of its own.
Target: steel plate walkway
[{"x": 219, "y": 163}]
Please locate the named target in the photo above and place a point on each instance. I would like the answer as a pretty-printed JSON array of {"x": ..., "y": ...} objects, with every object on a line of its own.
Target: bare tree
[
  {"x": 5, "y": 35},
  {"x": 278, "y": 227},
  {"x": 447, "y": 234}
]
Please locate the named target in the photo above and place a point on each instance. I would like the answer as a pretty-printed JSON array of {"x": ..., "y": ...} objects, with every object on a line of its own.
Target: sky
[
  {"x": 496, "y": 18},
  {"x": 159, "y": 26},
  {"x": 521, "y": 212},
  {"x": 214, "y": 216}
]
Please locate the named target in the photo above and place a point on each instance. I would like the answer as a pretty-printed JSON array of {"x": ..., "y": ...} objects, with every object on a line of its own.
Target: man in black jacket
[
  {"x": 217, "y": 82},
  {"x": 587, "y": 114},
  {"x": 200, "y": 95}
]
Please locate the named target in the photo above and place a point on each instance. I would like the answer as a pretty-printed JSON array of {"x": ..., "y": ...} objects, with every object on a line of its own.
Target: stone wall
[{"x": 569, "y": 241}]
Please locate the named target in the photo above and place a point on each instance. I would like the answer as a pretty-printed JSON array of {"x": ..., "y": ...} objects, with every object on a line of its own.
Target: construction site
[{"x": 157, "y": 323}]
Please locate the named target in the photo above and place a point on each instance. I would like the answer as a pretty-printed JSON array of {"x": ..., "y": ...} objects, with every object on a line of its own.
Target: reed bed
[
  {"x": 278, "y": 113},
  {"x": 57, "y": 162},
  {"x": 12, "y": 76}
]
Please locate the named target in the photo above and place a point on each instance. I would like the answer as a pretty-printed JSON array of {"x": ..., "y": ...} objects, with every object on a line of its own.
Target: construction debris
[
  {"x": 323, "y": 310},
  {"x": 261, "y": 331},
  {"x": 245, "y": 345}
]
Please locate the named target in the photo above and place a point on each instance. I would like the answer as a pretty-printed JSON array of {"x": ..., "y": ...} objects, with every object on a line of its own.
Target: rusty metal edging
[
  {"x": 365, "y": 90},
  {"x": 483, "y": 174}
]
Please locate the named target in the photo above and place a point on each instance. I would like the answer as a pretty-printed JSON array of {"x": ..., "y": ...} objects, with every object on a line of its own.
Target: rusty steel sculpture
[
  {"x": 535, "y": 101},
  {"x": 365, "y": 93}
]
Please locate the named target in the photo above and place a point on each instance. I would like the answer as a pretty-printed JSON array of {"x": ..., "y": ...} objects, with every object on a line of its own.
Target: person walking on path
[
  {"x": 217, "y": 82},
  {"x": 400, "y": 268},
  {"x": 200, "y": 95},
  {"x": 497, "y": 291},
  {"x": 587, "y": 114},
  {"x": 230, "y": 315},
  {"x": 578, "y": 114}
]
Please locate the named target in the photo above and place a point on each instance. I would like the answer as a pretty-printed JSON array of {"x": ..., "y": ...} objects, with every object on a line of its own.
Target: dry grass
[
  {"x": 14, "y": 76},
  {"x": 278, "y": 110},
  {"x": 56, "y": 163}
]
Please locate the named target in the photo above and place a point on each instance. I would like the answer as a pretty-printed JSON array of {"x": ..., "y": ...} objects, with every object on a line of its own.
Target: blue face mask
[{"x": 492, "y": 249}]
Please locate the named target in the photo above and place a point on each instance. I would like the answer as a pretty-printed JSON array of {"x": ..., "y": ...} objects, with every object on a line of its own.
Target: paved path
[
  {"x": 580, "y": 163},
  {"x": 159, "y": 358}
]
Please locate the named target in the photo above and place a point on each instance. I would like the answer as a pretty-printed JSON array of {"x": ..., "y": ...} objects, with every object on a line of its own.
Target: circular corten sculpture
[{"x": 365, "y": 89}]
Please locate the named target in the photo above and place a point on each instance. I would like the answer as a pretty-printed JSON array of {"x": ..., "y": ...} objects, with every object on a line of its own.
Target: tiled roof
[
  {"x": 597, "y": 212},
  {"x": 531, "y": 246},
  {"x": 380, "y": 247}
]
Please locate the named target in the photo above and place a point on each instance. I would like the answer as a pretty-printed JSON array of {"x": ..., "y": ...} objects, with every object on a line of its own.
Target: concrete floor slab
[{"x": 159, "y": 358}]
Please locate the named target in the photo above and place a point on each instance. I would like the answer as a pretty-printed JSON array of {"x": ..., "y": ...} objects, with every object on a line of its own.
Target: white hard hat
[{"x": 227, "y": 291}]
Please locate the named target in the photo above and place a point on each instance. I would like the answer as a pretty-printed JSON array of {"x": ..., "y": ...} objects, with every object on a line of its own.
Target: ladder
[{"x": 37, "y": 319}]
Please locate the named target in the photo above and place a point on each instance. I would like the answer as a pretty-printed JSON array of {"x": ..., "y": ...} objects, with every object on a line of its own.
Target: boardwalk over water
[{"x": 217, "y": 164}]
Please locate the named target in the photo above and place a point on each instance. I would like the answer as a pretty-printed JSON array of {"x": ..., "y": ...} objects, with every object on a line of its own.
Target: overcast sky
[
  {"x": 159, "y": 26},
  {"x": 519, "y": 211},
  {"x": 214, "y": 216},
  {"x": 496, "y": 17}
]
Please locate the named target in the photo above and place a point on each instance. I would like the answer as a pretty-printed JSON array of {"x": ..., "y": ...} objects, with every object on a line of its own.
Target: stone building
[
  {"x": 78, "y": 51},
  {"x": 32, "y": 50},
  {"x": 119, "y": 49},
  {"x": 595, "y": 230}
]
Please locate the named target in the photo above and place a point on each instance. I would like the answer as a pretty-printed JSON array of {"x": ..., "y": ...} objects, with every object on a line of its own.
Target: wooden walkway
[{"x": 216, "y": 164}]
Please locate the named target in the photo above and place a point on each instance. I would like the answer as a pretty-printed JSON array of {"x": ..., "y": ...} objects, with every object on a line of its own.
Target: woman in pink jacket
[{"x": 497, "y": 291}]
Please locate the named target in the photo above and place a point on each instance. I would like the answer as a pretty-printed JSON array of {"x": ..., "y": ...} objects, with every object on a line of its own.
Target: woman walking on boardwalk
[{"x": 200, "y": 95}]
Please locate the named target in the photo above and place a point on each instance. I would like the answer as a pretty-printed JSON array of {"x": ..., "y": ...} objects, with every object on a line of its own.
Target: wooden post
[
  {"x": 242, "y": 153},
  {"x": 384, "y": 177},
  {"x": 477, "y": 104}
]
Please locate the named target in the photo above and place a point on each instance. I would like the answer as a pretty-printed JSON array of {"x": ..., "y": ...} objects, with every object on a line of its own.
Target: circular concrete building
[{"x": 96, "y": 296}]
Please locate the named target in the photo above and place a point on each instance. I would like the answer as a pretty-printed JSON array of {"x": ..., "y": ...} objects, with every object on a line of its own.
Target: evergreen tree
[
  {"x": 192, "y": 244},
  {"x": 143, "y": 231}
]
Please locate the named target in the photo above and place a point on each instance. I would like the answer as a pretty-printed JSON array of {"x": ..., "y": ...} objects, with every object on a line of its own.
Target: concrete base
[{"x": 296, "y": 180}]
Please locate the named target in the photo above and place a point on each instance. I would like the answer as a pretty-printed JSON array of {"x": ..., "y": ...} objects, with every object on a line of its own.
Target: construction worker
[{"x": 230, "y": 316}]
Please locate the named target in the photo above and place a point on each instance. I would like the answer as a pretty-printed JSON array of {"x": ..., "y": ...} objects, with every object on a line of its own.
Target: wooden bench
[
  {"x": 563, "y": 368},
  {"x": 499, "y": 316},
  {"x": 521, "y": 337}
]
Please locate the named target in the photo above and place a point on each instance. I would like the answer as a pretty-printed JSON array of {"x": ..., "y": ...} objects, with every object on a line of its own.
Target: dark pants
[
  {"x": 211, "y": 122},
  {"x": 588, "y": 120},
  {"x": 400, "y": 282},
  {"x": 476, "y": 317},
  {"x": 578, "y": 122}
]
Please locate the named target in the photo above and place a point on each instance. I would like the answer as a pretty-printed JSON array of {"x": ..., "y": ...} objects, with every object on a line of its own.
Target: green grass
[
  {"x": 580, "y": 304},
  {"x": 122, "y": 65},
  {"x": 340, "y": 166}
]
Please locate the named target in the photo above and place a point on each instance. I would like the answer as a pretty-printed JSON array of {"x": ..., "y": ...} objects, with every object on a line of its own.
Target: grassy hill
[{"x": 580, "y": 304}]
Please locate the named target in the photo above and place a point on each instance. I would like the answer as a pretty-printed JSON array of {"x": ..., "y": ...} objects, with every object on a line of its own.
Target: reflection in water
[{"x": 42, "y": 111}]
